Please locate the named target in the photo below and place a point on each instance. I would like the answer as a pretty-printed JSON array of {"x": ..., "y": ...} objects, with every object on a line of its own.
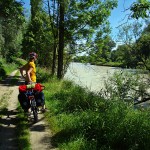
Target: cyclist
[
  {"x": 30, "y": 77},
  {"x": 30, "y": 69}
]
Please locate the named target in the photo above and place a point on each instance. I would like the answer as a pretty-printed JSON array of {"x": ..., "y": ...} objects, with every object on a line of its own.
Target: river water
[
  {"x": 89, "y": 76},
  {"x": 92, "y": 77}
]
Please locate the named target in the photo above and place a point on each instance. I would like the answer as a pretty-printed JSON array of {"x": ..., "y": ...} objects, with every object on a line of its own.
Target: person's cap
[{"x": 33, "y": 55}]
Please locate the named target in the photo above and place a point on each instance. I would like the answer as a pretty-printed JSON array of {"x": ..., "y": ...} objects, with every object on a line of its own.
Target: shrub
[{"x": 125, "y": 86}]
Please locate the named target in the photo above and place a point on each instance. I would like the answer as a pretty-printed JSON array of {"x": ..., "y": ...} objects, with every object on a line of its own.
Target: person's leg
[
  {"x": 43, "y": 99},
  {"x": 40, "y": 99}
]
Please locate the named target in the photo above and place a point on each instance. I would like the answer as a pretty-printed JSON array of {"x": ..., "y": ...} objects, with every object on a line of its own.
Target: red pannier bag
[
  {"x": 38, "y": 87},
  {"x": 22, "y": 88}
]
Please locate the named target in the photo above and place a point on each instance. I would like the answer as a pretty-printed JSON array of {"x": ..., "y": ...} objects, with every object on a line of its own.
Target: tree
[
  {"x": 53, "y": 16},
  {"x": 129, "y": 33},
  {"x": 78, "y": 25},
  {"x": 140, "y": 9},
  {"x": 38, "y": 35},
  {"x": 101, "y": 51},
  {"x": 143, "y": 50},
  {"x": 124, "y": 54},
  {"x": 11, "y": 20},
  {"x": 135, "y": 50}
]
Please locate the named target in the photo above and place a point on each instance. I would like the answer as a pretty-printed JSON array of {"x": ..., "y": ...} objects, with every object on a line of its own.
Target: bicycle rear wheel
[{"x": 35, "y": 115}]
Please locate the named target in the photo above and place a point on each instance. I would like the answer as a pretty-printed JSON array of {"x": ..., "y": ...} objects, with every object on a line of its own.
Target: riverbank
[{"x": 84, "y": 120}]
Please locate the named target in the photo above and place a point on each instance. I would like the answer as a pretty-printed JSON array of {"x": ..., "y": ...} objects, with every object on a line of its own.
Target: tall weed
[{"x": 125, "y": 86}]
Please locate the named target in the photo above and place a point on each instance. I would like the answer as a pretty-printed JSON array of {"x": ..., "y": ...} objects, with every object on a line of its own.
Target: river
[
  {"x": 92, "y": 77},
  {"x": 89, "y": 76}
]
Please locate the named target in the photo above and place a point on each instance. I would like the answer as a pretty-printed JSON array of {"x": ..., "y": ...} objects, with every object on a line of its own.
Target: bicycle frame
[{"x": 33, "y": 105}]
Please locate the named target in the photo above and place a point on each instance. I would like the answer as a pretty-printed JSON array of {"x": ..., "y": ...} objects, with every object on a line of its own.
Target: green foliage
[
  {"x": 38, "y": 38},
  {"x": 6, "y": 68},
  {"x": 112, "y": 64},
  {"x": 143, "y": 50},
  {"x": 12, "y": 10},
  {"x": 140, "y": 9},
  {"x": 19, "y": 61},
  {"x": 84, "y": 120},
  {"x": 10, "y": 67},
  {"x": 102, "y": 49},
  {"x": 22, "y": 131},
  {"x": 86, "y": 24},
  {"x": 72, "y": 100},
  {"x": 134, "y": 52},
  {"x": 11, "y": 22},
  {"x": 42, "y": 37},
  {"x": 43, "y": 75},
  {"x": 123, "y": 85}
]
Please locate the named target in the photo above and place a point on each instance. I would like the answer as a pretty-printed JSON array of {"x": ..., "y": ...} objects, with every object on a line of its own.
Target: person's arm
[
  {"x": 21, "y": 70},
  {"x": 28, "y": 74}
]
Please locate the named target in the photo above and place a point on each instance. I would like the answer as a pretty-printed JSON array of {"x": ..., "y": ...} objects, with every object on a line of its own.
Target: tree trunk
[
  {"x": 54, "y": 58},
  {"x": 61, "y": 41},
  {"x": 55, "y": 36}
]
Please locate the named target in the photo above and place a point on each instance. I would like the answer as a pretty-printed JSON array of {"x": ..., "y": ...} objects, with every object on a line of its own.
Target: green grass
[
  {"x": 10, "y": 67},
  {"x": 7, "y": 68},
  {"x": 83, "y": 120},
  {"x": 22, "y": 130}
]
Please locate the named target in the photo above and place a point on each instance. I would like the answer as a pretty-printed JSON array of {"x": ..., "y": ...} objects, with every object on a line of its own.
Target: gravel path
[{"x": 40, "y": 134}]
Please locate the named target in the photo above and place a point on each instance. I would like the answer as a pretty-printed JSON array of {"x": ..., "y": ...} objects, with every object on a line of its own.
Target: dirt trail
[
  {"x": 7, "y": 130},
  {"x": 40, "y": 134}
]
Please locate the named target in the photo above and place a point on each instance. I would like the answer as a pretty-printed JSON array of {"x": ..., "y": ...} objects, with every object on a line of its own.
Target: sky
[{"x": 118, "y": 15}]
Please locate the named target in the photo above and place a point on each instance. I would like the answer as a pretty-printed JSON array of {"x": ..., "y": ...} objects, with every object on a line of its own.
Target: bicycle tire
[{"x": 35, "y": 115}]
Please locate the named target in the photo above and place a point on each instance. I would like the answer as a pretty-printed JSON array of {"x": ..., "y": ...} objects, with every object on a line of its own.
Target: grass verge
[
  {"x": 22, "y": 131},
  {"x": 82, "y": 120}
]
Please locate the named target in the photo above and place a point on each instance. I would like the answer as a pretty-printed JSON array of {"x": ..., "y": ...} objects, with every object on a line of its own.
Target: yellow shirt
[{"x": 33, "y": 72}]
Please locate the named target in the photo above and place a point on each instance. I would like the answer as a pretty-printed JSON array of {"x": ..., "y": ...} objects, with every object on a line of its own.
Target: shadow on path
[
  {"x": 8, "y": 122},
  {"x": 8, "y": 119}
]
